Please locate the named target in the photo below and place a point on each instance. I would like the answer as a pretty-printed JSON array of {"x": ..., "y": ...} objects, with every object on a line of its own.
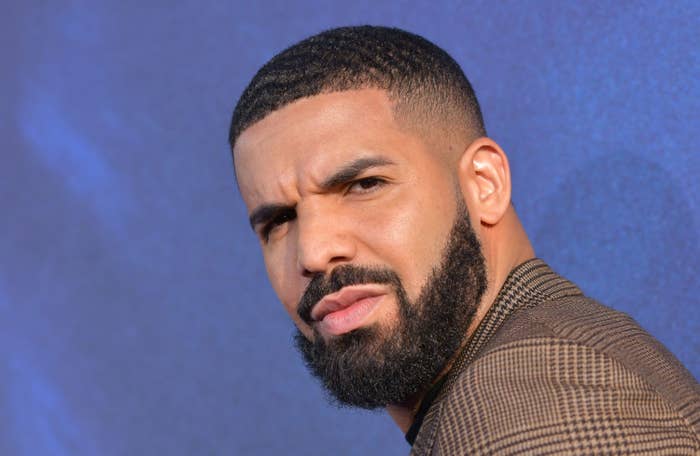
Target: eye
[
  {"x": 275, "y": 222},
  {"x": 366, "y": 185}
]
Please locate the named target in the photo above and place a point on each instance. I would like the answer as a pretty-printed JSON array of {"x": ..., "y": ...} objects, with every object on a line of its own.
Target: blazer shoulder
[
  {"x": 568, "y": 318},
  {"x": 567, "y": 372},
  {"x": 586, "y": 322},
  {"x": 583, "y": 321},
  {"x": 547, "y": 394}
]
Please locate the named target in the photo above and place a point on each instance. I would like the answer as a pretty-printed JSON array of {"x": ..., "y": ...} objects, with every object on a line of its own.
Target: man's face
[{"x": 346, "y": 200}]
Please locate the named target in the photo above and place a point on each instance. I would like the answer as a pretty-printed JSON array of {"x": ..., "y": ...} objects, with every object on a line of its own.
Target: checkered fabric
[{"x": 550, "y": 371}]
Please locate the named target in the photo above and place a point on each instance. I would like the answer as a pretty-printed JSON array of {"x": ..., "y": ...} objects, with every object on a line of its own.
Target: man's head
[{"x": 360, "y": 156}]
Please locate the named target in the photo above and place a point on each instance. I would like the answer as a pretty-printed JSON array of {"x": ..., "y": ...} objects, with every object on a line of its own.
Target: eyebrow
[
  {"x": 266, "y": 212},
  {"x": 354, "y": 169}
]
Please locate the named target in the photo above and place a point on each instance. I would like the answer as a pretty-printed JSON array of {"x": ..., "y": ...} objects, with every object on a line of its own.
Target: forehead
[{"x": 307, "y": 139}]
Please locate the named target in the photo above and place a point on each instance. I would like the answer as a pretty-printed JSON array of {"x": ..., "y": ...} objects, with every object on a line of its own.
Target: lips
[{"x": 347, "y": 309}]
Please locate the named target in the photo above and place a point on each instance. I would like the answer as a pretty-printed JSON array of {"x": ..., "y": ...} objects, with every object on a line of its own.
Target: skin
[{"x": 397, "y": 214}]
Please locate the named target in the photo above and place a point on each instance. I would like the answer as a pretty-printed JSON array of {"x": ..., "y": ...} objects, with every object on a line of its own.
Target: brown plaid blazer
[{"x": 550, "y": 371}]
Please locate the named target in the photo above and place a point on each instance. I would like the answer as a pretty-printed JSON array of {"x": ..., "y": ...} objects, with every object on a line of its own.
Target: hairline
[{"x": 406, "y": 111}]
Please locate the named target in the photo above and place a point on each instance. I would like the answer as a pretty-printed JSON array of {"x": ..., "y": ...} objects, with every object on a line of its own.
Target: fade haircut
[{"x": 420, "y": 79}]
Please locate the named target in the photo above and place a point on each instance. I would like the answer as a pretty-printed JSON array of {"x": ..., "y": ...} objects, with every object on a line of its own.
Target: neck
[{"x": 504, "y": 246}]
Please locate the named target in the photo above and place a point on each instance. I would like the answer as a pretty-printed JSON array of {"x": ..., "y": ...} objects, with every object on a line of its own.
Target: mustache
[{"x": 342, "y": 276}]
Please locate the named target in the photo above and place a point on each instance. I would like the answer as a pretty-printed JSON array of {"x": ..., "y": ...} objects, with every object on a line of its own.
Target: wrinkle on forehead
[{"x": 304, "y": 142}]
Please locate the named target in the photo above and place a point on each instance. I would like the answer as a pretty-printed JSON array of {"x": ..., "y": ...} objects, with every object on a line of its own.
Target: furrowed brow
[
  {"x": 352, "y": 170},
  {"x": 266, "y": 212}
]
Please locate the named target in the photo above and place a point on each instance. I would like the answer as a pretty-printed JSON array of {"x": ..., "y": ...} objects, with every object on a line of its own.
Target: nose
[{"x": 323, "y": 242}]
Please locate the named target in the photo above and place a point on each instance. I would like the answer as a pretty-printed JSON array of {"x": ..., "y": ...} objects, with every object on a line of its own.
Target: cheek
[{"x": 408, "y": 234}]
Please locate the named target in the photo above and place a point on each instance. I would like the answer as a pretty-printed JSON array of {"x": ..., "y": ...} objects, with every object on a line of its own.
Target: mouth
[{"x": 347, "y": 309}]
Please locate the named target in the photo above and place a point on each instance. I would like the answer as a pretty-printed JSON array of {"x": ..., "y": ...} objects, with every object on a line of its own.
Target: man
[{"x": 386, "y": 225}]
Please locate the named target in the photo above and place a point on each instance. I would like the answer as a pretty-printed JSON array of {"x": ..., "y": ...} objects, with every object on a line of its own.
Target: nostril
[
  {"x": 320, "y": 248},
  {"x": 309, "y": 267}
]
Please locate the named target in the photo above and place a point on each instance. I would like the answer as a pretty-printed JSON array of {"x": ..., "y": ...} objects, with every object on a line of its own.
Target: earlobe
[{"x": 484, "y": 176}]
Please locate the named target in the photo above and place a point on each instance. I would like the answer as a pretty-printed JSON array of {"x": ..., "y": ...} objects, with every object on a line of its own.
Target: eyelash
[
  {"x": 277, "y": 221},
  {"x": 377, "y": 181}
]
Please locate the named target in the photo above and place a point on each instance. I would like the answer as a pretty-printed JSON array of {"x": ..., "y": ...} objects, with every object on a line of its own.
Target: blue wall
[{"x": 135, "y": 316}]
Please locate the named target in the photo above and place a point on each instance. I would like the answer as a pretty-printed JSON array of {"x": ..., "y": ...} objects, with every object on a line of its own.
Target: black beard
[{"x": 372, "y": 367}]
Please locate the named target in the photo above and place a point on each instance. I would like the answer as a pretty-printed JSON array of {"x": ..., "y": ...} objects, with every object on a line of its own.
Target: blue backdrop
[{"x": 136, "y": 318}]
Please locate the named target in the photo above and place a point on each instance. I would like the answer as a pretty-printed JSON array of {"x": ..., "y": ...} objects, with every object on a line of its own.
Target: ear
[{"x": 484, "y": 177}]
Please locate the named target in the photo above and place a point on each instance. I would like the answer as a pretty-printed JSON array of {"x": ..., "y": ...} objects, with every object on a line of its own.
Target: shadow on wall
[{"x": 621, "y": 227}]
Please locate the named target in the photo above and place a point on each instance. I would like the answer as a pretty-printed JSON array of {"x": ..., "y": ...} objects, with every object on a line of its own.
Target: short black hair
[{"x": 410, "y": 68}]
